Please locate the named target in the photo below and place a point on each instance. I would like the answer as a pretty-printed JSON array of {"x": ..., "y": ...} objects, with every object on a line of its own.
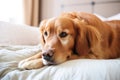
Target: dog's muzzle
[{"x": 47, "y": 57}]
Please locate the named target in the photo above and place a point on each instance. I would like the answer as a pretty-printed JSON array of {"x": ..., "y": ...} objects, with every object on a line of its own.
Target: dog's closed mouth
[
  {"x": 51, "y": 63},
  {"x": 46, "y": 62}
]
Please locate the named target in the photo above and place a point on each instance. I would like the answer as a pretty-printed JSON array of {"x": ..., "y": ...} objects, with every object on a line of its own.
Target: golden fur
[{"x": 75, "y": 35}]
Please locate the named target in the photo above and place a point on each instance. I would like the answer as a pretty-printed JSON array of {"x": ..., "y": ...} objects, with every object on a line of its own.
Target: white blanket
[{"x": 81, "y": 69}]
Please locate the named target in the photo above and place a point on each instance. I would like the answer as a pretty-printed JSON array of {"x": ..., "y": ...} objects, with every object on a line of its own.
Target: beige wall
[{"x": 47, "y": 8}]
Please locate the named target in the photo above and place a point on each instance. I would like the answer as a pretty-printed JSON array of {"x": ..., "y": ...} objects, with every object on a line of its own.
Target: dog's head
[{"x": 62, "y": 36}]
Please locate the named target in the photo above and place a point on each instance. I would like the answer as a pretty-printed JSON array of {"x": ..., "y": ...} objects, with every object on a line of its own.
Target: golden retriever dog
[{"x": 75, "y": 35}]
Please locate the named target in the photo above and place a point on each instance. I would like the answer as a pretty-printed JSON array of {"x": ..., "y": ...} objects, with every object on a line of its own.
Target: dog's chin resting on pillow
[{"x": 75, "y": 35}]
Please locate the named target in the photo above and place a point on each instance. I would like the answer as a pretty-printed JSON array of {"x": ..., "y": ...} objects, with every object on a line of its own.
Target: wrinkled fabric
[{"x": 80, "y": 69}]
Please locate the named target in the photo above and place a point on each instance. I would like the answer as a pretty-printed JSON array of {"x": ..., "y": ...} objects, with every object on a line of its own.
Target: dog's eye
[
  {"x": 63, "y": 34},
  {"x": 45, "y": 33}
]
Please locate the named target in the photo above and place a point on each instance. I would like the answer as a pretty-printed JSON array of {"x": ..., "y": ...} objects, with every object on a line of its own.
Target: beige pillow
[{"x": 15, "y": 34}]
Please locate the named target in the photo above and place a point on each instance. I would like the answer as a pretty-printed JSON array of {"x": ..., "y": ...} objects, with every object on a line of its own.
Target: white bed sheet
[{"x": 81, "y": 69}]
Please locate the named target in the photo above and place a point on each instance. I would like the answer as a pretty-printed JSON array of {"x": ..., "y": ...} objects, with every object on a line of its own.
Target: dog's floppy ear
[
  {"x": 41, "y": 28},
  {"x": 87, "y": 37}
]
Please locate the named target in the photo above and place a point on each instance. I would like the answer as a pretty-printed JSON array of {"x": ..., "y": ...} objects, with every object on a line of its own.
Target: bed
[{"x": 18, "y": 42}]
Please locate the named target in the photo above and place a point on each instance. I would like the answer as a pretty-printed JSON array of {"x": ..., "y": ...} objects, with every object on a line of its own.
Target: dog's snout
[{"x": 47, "y": 55}]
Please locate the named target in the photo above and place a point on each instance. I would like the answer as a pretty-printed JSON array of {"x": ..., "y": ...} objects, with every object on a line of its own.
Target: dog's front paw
[
  {"x": 23, "y": 64},
  {"x": 32, "y": 64}
]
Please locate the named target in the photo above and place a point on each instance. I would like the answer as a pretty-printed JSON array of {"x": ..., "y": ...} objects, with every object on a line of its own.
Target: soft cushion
[{"x": 16, "y": 34}]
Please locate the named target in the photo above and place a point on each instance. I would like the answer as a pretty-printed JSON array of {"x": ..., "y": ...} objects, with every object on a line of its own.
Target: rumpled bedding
[{"x": 80, "y": 69}]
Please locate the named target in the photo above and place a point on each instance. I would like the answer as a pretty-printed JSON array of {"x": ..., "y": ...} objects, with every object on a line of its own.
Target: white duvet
[{"x": 81, "y": 69}]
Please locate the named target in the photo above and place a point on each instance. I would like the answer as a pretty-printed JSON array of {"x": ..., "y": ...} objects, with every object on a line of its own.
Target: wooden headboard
[{"x": 105, "y": 8}]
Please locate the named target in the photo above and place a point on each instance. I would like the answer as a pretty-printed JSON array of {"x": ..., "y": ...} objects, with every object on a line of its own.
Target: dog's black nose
[{"x": 48, "y": 54}]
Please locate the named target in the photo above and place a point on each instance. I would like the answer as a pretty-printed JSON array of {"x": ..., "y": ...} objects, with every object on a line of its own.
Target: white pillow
[
  {"x": 114, "y": 17},
  {"x": 15, "y": 34}
]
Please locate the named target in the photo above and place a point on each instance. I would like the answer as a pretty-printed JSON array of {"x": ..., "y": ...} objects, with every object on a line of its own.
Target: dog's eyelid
[
  {"x": 63, "y": 34},
  {"x": 45, "y": 33}
]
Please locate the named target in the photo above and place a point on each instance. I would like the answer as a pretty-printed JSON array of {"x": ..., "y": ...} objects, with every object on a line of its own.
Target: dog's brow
[
  {"x": 49, "y": 21},
  {"x": 49, "y": 25}
]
